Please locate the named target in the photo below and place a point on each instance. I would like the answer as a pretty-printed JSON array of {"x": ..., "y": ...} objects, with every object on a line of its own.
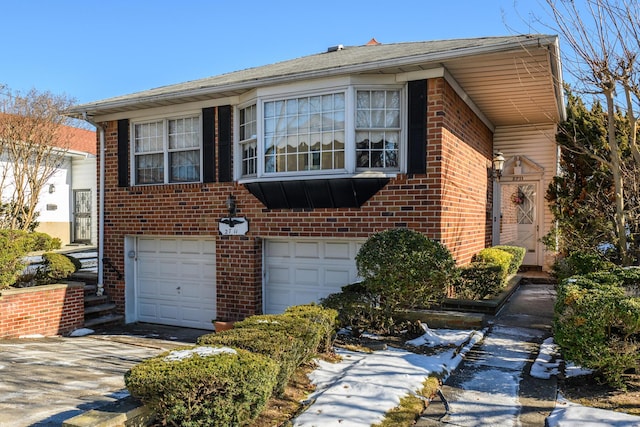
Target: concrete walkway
[
  {"x": 492, "y": 387},
  {"x": 45, "y": 381}
]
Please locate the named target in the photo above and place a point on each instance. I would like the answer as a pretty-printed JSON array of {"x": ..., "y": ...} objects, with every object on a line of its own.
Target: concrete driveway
[{"x": 44, "y": 381}]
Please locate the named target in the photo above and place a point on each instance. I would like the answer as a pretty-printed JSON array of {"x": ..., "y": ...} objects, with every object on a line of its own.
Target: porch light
[
  {"x": 497, "y": 166},
  {"x": 52, "y": 188},
  {"x": 231, "y": 205}
]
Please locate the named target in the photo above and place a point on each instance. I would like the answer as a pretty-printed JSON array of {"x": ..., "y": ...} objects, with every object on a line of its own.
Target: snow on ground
[
  {"x": 569, "y": 414},
  {"x": 360, "y": 389}
]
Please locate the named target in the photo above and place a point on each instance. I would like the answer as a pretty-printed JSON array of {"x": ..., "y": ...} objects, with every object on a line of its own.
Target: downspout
[{"x": 100, "y": 286}]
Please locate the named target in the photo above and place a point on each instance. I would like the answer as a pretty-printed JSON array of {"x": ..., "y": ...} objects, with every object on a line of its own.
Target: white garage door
[
  {"x": 176, "y": 281},
  {"x": 304, "y": 271}
]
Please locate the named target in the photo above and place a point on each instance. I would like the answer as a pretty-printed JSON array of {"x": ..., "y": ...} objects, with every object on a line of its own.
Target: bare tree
[
  {"x": 33, "y": 146},
  {"x": 603, "y": 59}
]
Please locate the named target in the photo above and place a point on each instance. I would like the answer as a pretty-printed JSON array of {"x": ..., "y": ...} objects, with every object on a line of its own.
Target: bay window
[
  {"x": 167, "y": 151},
  {"x": 336, "y": 132}
]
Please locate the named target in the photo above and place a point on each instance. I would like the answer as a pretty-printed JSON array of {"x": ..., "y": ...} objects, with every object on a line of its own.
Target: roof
[
  {"x": 79, "y": 140},
  {"x": 524, "y": 70}
]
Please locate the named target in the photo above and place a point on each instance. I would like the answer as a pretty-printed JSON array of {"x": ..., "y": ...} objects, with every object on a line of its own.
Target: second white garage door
[
  {"x": 304, "y": 271},
  {"x": 176, "y": 281}
]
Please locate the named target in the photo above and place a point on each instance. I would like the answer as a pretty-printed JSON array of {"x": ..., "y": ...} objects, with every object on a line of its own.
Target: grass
[{"x": 411, "y": 406}]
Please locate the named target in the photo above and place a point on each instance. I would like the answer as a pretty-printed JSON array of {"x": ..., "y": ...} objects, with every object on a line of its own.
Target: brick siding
[
  {"x": 41, "y": 310},
  {"x": 451, "y": 203}
]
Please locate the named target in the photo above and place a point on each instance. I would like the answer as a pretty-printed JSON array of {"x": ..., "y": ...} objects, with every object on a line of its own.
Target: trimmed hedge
[
  {"x": 597, "y": 325},
  {"x": 13, "y": 248},
  {"x": 478, "y": 280},
  {"x": 56, "y": 267},
  {"x": 517, "y": 254},
  {"x": 497, "y": 257},
  {"x": 325, "y": 318},
  {"x": 286, "y": 350},
  {"x": 223, "y": 389}
]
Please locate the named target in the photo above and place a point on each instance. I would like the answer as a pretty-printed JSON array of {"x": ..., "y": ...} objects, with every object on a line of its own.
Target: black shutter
[
  {"x": 208, "y": 145},
  {"x": 417, "y": 127},
  {"x": 224, "y": 144},
  {"x": 123, "y": 153}
]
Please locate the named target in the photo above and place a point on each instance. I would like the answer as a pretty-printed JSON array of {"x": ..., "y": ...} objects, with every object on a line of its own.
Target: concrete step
[
  {"x": 100, "y": 308},
  {"x": 93, "y": 300},
  {"x": 106, "y": 319}
]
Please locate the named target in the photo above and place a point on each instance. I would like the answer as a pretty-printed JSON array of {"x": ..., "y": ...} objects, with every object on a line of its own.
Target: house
[
  {"x": 252, "y": 191},
  {"x": 67, "y": 205}
]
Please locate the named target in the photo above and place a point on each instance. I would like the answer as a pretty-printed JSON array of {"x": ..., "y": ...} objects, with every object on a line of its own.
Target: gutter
[{"x": 102, "y": 150}]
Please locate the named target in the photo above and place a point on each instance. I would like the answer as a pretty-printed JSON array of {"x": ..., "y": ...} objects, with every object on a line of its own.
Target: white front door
[
  {"x": 519, "y": 218},
  {"x": 304, "y": 271},
  {"x": 176, "y": 281}
]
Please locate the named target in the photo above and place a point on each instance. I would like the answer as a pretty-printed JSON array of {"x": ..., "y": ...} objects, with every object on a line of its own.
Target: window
[
  {"x": 248, "y": 140},
  {"x": 336, "y": 132},
  {"x": 167, "y": 151},
  {"x": 306, "y": 133},
  {"x": 377, "y": 128}
]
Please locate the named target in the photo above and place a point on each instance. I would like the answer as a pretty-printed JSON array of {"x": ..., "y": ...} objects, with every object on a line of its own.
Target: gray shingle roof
[{"x": 367, "y": 58}]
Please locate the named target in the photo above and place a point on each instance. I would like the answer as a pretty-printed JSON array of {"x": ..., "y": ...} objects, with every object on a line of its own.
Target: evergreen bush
[{"x": 204, "y": 386}]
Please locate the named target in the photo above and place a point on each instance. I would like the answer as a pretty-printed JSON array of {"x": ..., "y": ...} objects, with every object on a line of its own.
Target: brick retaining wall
[{"x": 41, "y": 310}]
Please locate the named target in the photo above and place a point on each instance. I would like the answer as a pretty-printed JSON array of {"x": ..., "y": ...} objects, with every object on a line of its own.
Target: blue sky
[{"x": 92, "y": 50}]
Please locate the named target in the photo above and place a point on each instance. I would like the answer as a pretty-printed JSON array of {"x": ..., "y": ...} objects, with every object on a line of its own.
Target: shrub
[
  {"x": 325, "y": 318},
  {"x": 405, "y": 270},
  {"x": 13, "y": 248},
  {"x": 478, "y": 280},
  {"x": 497, "y": 257},
  {"x": 309, "y": 333},
  {"x": 43, "y": 242},
  {"x": 286, "y": 350},
  {"x": 595, "y": 324},
  {"x": 517, "y": 254},
  {"x": 223, "y": 389},
  {"x": 580, "y": 263},
  {"x": 55, "y": 267},
  {"x": 357, "y": 308}
]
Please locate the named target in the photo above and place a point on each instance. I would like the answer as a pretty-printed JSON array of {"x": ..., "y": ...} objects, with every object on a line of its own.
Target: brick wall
[
  {"x": 450, "y": 203},
  {"x": 41, "y": 310}
]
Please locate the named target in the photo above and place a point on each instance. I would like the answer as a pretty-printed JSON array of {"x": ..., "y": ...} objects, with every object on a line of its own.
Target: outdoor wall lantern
[
  {"x": 231, "y": 205},
  {"x": 52, "y": 188},
  {"x": 497, "y": 165}
]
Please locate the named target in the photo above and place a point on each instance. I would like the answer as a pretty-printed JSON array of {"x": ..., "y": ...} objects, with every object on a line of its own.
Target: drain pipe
[{"x": 102, "y": 150}]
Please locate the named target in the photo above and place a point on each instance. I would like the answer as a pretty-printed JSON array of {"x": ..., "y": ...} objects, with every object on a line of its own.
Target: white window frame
[
  {"x": 350, "y": 169},
  {"x": 166, "y": 151}
]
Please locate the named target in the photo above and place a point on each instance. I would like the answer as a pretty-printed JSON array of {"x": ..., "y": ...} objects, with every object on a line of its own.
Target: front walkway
[{"x": 492, "y": 387}]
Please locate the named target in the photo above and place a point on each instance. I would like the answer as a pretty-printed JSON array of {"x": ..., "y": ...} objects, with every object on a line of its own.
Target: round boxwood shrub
[
  {"x": 56, "y": 267},
  {"x": 405, "y": 269},
  {"x": 204, "y": 386},
  {"x": 324, "y": 317},
  {"x": 14, "y": 246}
]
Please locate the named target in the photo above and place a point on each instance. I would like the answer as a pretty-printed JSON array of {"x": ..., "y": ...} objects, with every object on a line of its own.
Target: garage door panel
[
  {"x": 304, "y": 271},
  {"x": 338, "y": 251},
  {"x": 175, "y": 281},
  {"x": 306, "y": 250}
]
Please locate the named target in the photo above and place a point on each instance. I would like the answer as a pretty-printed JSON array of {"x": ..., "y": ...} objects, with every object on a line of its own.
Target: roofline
[{"x": 93, "y": 108}]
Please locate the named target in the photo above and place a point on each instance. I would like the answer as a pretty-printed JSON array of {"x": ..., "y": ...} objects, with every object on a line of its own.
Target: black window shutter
[
  {"x": 224, "y": 144},
  {"x": 123, "y": 153},
  {"x": 208, "y": 145},
  {"x": 417, "y": 127}
]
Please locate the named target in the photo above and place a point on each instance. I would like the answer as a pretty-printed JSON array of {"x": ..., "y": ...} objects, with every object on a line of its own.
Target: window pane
[
  {"x": 148, "y": 137},
  {"x": 184, "y": 133},
  {"x": 184, "y": 166},
  {"x": 149, "y": 169},
  {"x": 377, "y": 124}
]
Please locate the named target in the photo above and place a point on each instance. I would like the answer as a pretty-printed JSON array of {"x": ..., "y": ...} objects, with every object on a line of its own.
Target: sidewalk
[{"x": 492, "y": 387}]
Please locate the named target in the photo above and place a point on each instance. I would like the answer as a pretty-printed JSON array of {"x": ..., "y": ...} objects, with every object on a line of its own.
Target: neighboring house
[
  {"x": 316, "y": 154},
  {"x": 67, "y": 206}
]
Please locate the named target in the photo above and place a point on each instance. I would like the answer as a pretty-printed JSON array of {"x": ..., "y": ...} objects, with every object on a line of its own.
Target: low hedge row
[
  {"x": 214, "y": 386},
  {"x": 489, "y": 272}
]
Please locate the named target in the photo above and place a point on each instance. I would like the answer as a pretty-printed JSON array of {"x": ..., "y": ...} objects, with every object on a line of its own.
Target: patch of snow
[
  {"x": 31, "y": 336},
  {"x": 439, "y": 337},
  {"x": 178, "y": 355},
  {"x": 81, "y": 332},
  {"x": 547, "y": 363},
  {"x": 362, "y": 387},
  {"x": 572, "y": 414},
  {"x": 571, "y": 370}
]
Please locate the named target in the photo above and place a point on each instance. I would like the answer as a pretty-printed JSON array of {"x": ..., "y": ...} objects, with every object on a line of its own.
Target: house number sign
[{"x": 233, "y": 226}]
